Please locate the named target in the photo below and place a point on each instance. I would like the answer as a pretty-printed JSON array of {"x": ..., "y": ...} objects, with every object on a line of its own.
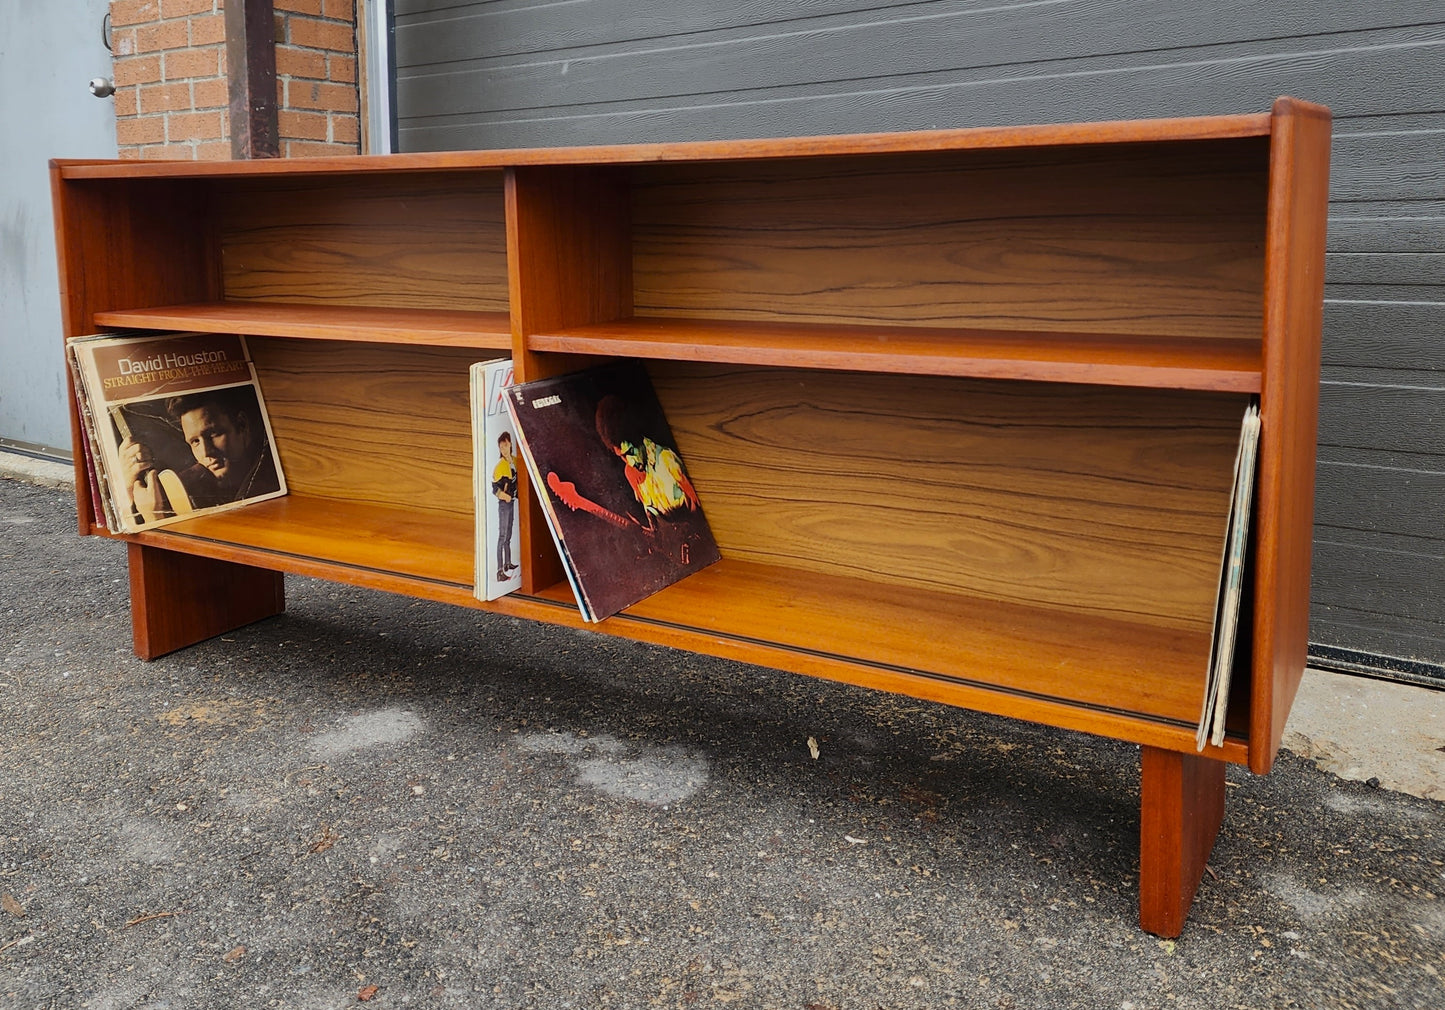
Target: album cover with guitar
[
  {"x": 618, "y": 500},
  {"x": 175, "y": 424}
]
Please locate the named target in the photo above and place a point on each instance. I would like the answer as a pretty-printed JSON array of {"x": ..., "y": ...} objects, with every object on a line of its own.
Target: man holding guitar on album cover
[{"x": 234, "y": 461}]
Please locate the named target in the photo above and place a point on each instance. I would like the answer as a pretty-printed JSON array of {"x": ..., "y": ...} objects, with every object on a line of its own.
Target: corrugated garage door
[{"x": 517, "y": 73}]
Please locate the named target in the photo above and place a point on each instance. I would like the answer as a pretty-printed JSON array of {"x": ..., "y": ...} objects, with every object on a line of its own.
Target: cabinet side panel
[
  {"x": 1090, "y": 499},
  {"x": 1294, "y": 308},
  {"x": 69, "y": 208},
  {"x": 125, "y": 244},
  {"x": 1149, "y": 239},
  {"x": 435, "y": 241},
  {"x": 370, "y": 423}
]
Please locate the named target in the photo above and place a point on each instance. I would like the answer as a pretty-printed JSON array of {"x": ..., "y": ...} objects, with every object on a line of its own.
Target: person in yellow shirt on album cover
[{"x": 504, "y": 486}]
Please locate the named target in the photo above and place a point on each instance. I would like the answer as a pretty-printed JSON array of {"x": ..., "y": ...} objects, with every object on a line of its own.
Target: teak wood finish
[{"x": 962, "y": 405}]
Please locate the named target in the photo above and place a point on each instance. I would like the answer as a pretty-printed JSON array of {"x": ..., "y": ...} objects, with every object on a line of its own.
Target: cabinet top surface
[{"x": 977, "y": 138}]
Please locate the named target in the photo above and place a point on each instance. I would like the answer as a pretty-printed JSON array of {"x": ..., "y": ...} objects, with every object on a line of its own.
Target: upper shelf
[
  {"x": 1214, "y": 365},
  {"x": 972, "y": 138},
  {"x": 429, "y": 327}
]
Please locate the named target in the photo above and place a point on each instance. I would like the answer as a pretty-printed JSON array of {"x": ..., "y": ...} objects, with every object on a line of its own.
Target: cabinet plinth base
[
  {"x": 179, "y": 599},
  {"x": 1181, "y": 807}
]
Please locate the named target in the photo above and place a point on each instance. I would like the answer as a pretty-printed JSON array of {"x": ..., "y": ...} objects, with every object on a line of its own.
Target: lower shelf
[
  {"x": 1117, "y": 678},
  {"x": 296, "y": 531},
  {"x": 1104, "y": 665}
]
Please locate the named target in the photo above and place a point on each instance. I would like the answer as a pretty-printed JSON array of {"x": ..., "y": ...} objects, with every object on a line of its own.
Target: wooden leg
[
  {"x": 1181, "y": 807},
  {"x": 178, "y": 599}
]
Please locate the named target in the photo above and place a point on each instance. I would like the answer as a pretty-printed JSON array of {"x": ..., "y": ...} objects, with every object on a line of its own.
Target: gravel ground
[{"x": 378, "y": 801}]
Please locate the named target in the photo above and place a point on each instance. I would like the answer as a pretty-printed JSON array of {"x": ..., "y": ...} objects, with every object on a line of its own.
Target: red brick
[
  {"x": 181, "y": 8},
  {"x": 343, "y": 69},
  {"x": 172, "y": 152},
  {"x": 216, "y": 150},
  {"x": 142, "y": 130},
  {"x": 193, "y": 126},
  {"x": 346, "y": 130},
  {"x": 306, "y": 149},
  {"x": 339, "y": 10},
  {"x": 321, "y": 35},
  {"x": 137, "y": 70},
  {"x": 122, "y": 42},
  {"x": 299, "y": 6},
  {"x": 129, "y": 153},
  {"x": 165, "y": 35},
  {"x": 317, "y": 95},
  {"x": 186, "y": 64},
  {"x": 293, "y": 62},
  {"x": 208, "y": 29},
  {"x": 210, "y": 94},
  {"x": 127, "y": 101},
  {"x": 133, "y": 12},
  {"x": 303, "y": 125},
  {"x": 165, "y": 97}
]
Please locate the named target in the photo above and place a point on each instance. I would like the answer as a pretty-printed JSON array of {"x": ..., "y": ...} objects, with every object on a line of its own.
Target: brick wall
[
  {"x": 316, "y": 77},
  {"x": 172, "y": 93}
]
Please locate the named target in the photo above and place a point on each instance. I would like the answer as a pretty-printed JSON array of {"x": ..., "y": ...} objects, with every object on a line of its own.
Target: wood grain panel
[
  {"x": 1109, "y": 665},
  {"x": 179, "y": 599},
  {"x": 377, "y": 541},
  {"x": 1181, "y": 805},
  {"x": 1082, "y": 498},
  {"x": 369, "y": 423},
  {"x": 432, "y": 242},
  {"x": 570, "y": 263},
  {"x": 115, "y": 252},
  {"x": 440, "y": 327},
  {"x": 1167, "y": 240},
  {"x": 1051, "y": 356},
  {"x": 1289, "y": 415}
]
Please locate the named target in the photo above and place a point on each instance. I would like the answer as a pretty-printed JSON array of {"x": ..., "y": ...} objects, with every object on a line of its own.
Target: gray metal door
[
  {"x": 511, "y": 73},
  {"x": 48, "y": 54}
]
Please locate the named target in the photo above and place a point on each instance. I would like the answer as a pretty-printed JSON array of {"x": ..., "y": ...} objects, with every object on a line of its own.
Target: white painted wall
[{"x": 48, "y": 54}]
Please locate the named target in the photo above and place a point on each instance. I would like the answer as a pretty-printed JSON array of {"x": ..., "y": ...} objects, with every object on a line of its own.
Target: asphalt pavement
[{"x": 377, "y": 801}]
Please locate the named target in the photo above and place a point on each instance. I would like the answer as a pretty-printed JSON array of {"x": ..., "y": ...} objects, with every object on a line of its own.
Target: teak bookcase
[{"x": 962, "y": 406}]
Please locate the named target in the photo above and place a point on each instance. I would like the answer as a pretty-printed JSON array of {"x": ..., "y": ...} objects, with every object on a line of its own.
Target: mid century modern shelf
[{"x": 962, "y": 405}]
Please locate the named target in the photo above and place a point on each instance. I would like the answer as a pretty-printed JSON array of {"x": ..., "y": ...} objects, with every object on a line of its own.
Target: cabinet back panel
[
  {"x": 438, "y": 242},
  {"x": 1162, "y": 239},
  {"x": 371, "y": 423},
  {"x": 1087, "y": 498}
]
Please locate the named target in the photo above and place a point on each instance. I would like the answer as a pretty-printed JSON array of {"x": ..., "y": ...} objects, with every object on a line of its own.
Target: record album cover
[
  {"x": 618, "y": 499},
  {"x": 494, "y": 476},
  {"x": 175, "y": 425}
]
